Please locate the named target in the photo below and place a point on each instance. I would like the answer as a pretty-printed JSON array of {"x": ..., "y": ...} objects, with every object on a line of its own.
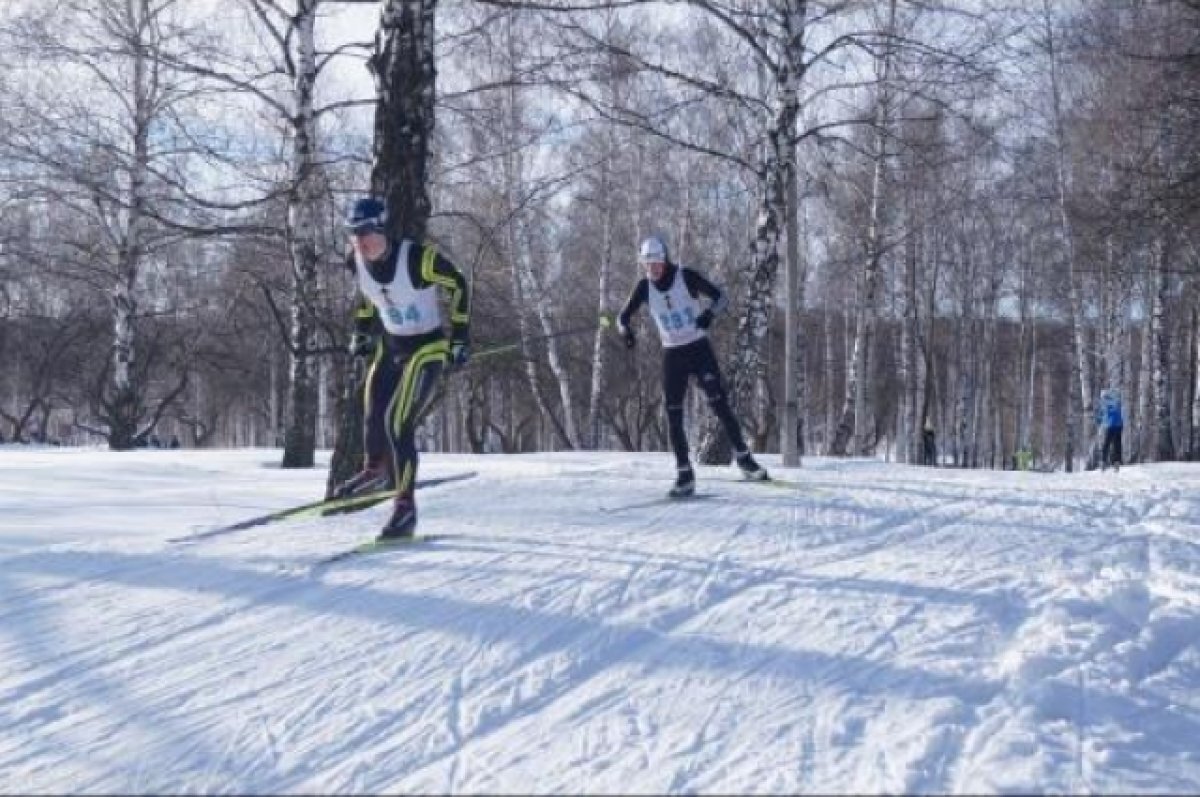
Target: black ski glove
[
  {"x": 704, "y": 320},
  {"x": 627, "y": 337}
]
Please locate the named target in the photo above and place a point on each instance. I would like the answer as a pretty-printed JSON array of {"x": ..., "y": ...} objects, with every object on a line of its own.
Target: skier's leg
[
  {"x": 409, "y": 403},
  {"x": 376, "y": 473},
  {"x": 380, "y": 384},
  {"x": 709, "y": 374},
  {"x": 675, "y": 383}
]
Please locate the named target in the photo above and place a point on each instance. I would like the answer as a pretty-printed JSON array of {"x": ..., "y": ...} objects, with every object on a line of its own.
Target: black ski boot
[
  {"x": 685, "y": 484},
  {"x": 750, "y": 468},
  {"x": 403, "y": 522},
  {"x": 373, "y": 478}
]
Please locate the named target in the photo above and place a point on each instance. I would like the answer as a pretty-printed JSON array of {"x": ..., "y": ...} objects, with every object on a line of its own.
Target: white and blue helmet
[{"x": 652, "y": 250}]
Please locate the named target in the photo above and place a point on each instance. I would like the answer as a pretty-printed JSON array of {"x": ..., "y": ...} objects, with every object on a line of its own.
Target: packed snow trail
[{"x": 877, "y": 628}]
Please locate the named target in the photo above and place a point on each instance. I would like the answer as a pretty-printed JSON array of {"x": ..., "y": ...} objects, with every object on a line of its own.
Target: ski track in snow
[{"x": 878, "y": 628}]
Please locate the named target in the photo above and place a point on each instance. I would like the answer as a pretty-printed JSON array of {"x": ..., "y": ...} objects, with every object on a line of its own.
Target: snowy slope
[{"x": 879, "y": 629}]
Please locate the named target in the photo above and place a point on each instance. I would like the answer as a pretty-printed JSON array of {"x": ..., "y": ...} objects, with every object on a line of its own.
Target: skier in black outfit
[
  {"x": 684, "y": 304},
  {"x": 398, "y": 324}
]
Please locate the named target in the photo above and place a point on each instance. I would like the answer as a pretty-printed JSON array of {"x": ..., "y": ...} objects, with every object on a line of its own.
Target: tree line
[{"x": 963, "y": 217}]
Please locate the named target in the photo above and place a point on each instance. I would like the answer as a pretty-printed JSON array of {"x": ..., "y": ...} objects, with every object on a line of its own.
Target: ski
[
  {"x": 663, "y": 501},
  {"x": 783, "y": 484},
  {"x": 324, "y": 508},
  {"x": 375, "y": 546}
]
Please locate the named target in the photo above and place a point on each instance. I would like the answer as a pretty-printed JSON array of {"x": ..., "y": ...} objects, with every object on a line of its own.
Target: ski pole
[{"x": 605, "y": 321}]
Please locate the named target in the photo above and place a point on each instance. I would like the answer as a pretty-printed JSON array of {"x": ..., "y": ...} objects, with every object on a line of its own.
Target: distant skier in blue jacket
[{"x": 1111, "y": 419}]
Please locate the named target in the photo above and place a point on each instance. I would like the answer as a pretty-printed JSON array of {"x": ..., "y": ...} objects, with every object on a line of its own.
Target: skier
[
  {"x": 684, "y": 305},
  {"x": 929, "y": 444},
  {"x": 1111, "y": 420},
  {"x": 398, "y": 324}
]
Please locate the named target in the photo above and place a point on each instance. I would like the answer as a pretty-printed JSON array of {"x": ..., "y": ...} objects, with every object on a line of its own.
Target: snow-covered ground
[{"x": 879, "y": 628}]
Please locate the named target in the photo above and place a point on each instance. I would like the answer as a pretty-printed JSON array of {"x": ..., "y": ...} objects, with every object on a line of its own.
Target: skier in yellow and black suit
[{"x": 399, "y": 324}]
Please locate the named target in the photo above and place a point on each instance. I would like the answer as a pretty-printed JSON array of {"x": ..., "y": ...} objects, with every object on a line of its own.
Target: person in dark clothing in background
[
  {"x": 929, "y": 445},
  {"x": 684, "y": 304},
  {"x": 399, "y": 326}
]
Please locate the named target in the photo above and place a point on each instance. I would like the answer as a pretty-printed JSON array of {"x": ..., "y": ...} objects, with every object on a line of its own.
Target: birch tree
[
  {"x": 529, "y": 292},
  {"x": 405, "y": 74},
  {"x": 284, "y": 83},
  {"x": 299, "y": 441},
  {"x": 99, "y": 123},
  {"x": 857, "y": 398},
  {"x": 1081, "y": 378}
]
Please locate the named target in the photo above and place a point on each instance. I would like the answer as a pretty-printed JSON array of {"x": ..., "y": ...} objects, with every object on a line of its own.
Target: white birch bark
[
  {"x": 301, "y": 425},
  {"x": 1027, "y": 355},
  {"x": 746, "y": 365},
  {"x": 133, "y": 17},
  {"x": 603, "y": 298},
  {"x": 1164, "y": 444},
  {"x": 830, "y": 357},
  {"x": 1081, "y": 378},
  {"x": 909, "y": 431},
  {"x": 853, "y": 425},
  {"x": 1144, "y": 423},
  {"x": 791, "y": 429},
  {"x": 529, "y": 290}
]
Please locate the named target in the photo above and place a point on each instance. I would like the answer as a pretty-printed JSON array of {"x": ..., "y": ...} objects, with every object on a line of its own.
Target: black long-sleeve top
[{"x": 697, "y": 286}]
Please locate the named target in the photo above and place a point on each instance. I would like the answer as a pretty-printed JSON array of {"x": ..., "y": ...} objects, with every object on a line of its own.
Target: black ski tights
[{"x": 679, "y": 365}]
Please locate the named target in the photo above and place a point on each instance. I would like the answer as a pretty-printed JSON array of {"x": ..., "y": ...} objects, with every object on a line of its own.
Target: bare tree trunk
[
  {"x": 603, "y": 291},
  {"x": 299, "y": 446},
  {"x": 123, "y": 403},
  {"x": 1194, "y": 436},
  {"x": 966, "y": 364},
  {"x": 858, "y": 400},
  {"x": 529, "y": 292},
  {"x": 1048, "y": 420},
  {"x": 982, "y": 428},
  {"x": 1146, "y": 370},
  {"x": 746, "y": 363},
  {"x": 1164, "y": 444},
  {"x": 405, "y": 78},
  {"x": 565, "y": 426},
  {"x": 830, "y": 358},
  {"x": 1026, "y": 353},
  {"x": 791, "y": 427},
  {"x": 910, "y": 423},
  {"x": 1081, "y": 378},
  {"x": 1112, "y": 289}
]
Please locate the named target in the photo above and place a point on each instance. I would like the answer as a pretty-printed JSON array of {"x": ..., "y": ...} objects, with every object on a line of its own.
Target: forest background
[{"x": 969, "y": 216}]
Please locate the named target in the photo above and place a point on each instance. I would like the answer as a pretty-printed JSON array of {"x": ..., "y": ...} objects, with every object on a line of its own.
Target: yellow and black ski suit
[{"x": 404, "y": 369}]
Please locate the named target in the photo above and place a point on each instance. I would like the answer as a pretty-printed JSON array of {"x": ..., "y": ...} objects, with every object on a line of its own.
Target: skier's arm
[
  {"x": 698, "y": 285},
  {"x": 639, "y": 296},
  {"x": 427, "y": 267},
  {"x": 366, "y": 318}
]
